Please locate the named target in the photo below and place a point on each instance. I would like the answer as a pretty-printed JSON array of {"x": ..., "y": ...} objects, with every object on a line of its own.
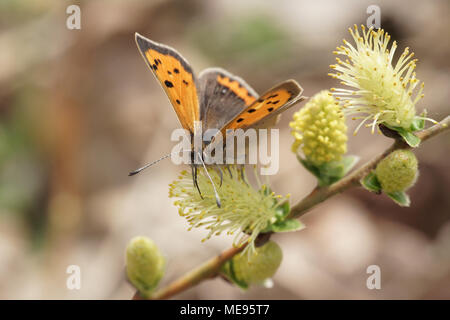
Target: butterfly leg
[
  {"x": 219, "y": 170},
  {"x": 194, "y": 179},
  {"x": 212, "y": 182},
  {"x": 242, "y": 172},
  {"x": 229, "y": 171}
]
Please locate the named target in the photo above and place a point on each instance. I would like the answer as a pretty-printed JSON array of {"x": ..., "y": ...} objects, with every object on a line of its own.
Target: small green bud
[
  {"x": 398, "y": 171},
  {"x": 260, "y": 266},
  {"x": 145, "y": 264}
]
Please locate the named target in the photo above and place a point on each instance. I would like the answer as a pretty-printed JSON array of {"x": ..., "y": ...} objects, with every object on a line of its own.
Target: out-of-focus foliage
[{"x": 253, "y": 38}]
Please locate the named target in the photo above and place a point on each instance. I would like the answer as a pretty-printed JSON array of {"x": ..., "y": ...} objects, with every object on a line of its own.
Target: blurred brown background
[{"x": 79, "y": 110}]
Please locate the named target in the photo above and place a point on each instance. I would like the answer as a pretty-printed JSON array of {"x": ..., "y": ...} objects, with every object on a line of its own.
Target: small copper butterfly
[{"x": 217, "y": 99}]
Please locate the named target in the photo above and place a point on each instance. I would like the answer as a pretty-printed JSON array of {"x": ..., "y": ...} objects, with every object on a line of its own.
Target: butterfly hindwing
[
  {"x": 175, "y": 76},
  {"x": 263, "y": 112},
  {"x": 223, "y": 96},
  {"x": 268, "y": 106}
]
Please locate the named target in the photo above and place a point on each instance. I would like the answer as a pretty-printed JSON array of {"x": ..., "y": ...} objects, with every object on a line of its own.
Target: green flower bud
[
  {"x": 259, "y": 266},
  {"x": 319, "y": 130},
  {"x": 145, "y": 264},
  {"x": 398, "y": 171}
]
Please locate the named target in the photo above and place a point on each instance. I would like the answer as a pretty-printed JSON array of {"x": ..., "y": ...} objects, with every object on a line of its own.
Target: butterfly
[{"x": 216, "y": 99}]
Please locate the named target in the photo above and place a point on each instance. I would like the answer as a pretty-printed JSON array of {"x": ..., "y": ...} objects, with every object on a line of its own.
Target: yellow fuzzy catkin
[
  {"x": 244, "y": 210},
  {"x": 319, "y": 130},
  {"x": 379, "y": 90}
]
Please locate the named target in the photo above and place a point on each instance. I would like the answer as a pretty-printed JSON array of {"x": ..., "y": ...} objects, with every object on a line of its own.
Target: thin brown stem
[{"x": 209, "y": 269}]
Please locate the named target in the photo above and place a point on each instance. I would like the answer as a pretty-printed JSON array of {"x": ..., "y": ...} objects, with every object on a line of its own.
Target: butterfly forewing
[{"x": 175, "y": 76}]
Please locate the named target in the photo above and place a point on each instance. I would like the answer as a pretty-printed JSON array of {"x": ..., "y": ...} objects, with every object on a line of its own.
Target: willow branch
[
  {"x": 320, "y": 194},
  {"x": 210, "y": 268}
]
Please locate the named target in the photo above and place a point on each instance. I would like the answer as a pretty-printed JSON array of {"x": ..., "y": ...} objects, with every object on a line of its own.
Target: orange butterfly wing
[
  {"x": 175, "y": 76},
  {"x": 263, "y": 112},
  {"x": 270, "y": 104}
]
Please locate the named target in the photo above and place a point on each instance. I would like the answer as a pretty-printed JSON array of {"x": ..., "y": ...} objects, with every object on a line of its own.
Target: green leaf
[
  {"x": 330, "y": 172},
  {"x": 418, "y": 124},
  {"x": 410, "y": 138},
  {"x": 228, "y": 271},
  {"x": 371, "y": 183},
  {"x": 309, "y": 166},
  {"x": 400, "y": 197},
  {"x": 348, "y": 163},
  {"x": 283, "y": 210},
  {"x": 331, "y": 169},
  {"x": 338, "y": 169},
  {"x": 287, "y": 226}
]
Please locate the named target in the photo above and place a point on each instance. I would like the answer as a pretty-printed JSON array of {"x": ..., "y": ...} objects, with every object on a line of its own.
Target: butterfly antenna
[
  {"x": 214, "y": 186},
  {"x": 132, "y": 173}
]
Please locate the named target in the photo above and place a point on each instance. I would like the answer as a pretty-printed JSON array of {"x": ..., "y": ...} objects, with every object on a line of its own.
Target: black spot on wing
[
  {"x": 178, "y": 101},
  {"x": 251, "y": 110},
  {"x": 270, "y": 109},
  {"x": 168, "y": 84},
  {"x": 275, "y": 102},
  {"x": 176, "y": 70},
  {"x": 239, "y": 120},
  {"x": 145, "y": 44},
  {"x": 185, "y": 82}
]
